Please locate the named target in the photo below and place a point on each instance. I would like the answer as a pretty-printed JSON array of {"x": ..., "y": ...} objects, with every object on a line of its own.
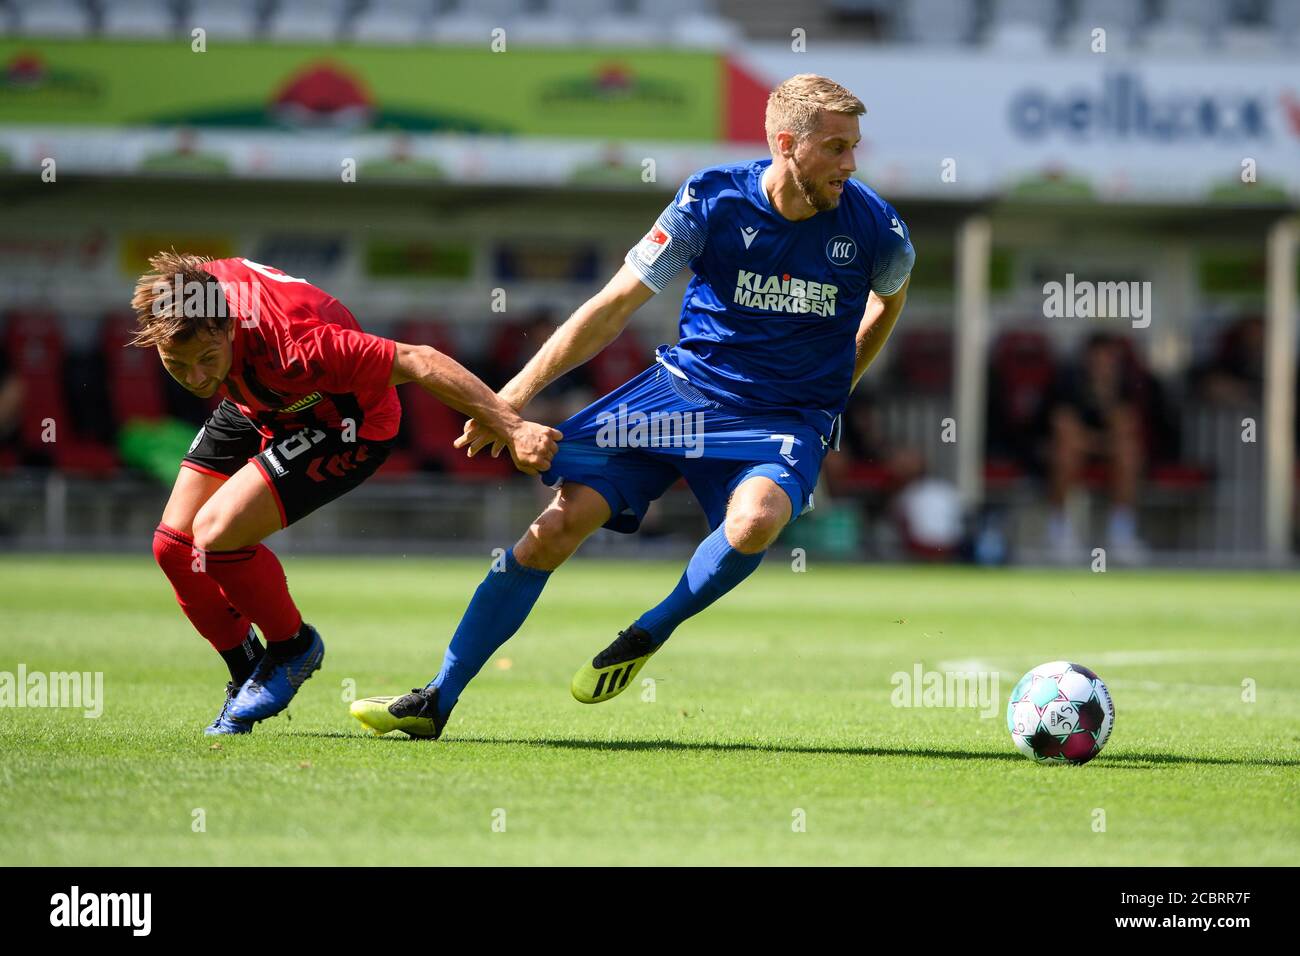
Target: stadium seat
[
  {"x": 392, "y": 21},
  {"x": 482, "y": 467},
  {"x": 293, "y": 21},
  {"x": 704, "y": 31},
  {"x": 623, "y": 31},
  {"x": 619, "y": 361},
  {"x": 139, "y": 19},
  {"x": 135, "y": 385},
  {"x": 1250, "y": 41},
  {"x": 430, "y": 426},
  {"x": 228, "y": 19},
  {"x": 1016, "y": 37},
  {"x": 922, "y": 360},
  {"x": 35, "y": 346},
  {"x": 1113, "y": 15},
  {"x": 1175, "y": 39},
  {"x": 1122, "y": 20},
  {"x": 1286, "y": 23},
  {"x": 1022, "y": 368},
  {"x": 400, "y": 465},
  {"x": 1002, "y": 472},
  {"x": 945, "y": 22},
  {"x": 543, "y": 30},
  {"x": 626, "y": 23},
  {"x": 472, "y": 23},
  {"x": 466, "y": 30},
  {"x": 1044, "y": 14},
  {"x": 52, "y": 18},
  {"x": 1021, "y": 371},
  {"x": 865, "y": 478},
  {"x": 1171, "y": 477},
  {"x": 1201, "y": 15},
  {"x": 1185, "y": 27},
  {"x": 1179, "y": 476}
]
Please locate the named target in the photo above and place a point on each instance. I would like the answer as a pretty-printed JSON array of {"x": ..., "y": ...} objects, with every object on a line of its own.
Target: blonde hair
[
  {"x": 160, "y": 314},
  {"x": 797, "y": 104}
]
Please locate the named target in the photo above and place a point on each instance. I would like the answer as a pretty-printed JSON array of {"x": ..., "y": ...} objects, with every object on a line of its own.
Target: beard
[{"x": 811, "y": 192}]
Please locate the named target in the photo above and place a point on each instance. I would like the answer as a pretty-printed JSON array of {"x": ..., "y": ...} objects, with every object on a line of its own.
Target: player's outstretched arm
[
  {"x": 532, "y": 446},
  {"x": 594, "y": 324},
  {"x": 877, "y": 322}
]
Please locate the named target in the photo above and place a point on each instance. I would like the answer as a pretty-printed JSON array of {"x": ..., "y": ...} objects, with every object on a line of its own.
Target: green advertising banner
[{"x": 636, "y": 94}]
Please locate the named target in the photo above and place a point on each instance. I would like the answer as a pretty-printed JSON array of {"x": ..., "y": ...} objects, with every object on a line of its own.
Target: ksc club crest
[{"x": 841, "y": 250}]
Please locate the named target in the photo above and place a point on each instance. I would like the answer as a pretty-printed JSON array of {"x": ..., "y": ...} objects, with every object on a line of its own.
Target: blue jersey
[{"x": 771, "y": 314}]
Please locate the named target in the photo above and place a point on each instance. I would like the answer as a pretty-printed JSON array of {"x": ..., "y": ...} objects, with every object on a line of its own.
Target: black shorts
[{"x": 304, "y": 469}]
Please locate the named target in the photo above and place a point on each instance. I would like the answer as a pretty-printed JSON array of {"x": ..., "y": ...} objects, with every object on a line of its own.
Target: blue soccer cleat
[
  {"x": 275, "y": 683},
  {"x": 226, "y": 724}
]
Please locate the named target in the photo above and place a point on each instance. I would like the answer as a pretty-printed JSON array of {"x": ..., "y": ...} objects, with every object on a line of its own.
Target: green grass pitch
[{"x": 771, "y": 737}]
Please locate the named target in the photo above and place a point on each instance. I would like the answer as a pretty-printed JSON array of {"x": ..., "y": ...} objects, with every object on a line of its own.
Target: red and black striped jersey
[{"x": 300, "y": 357}]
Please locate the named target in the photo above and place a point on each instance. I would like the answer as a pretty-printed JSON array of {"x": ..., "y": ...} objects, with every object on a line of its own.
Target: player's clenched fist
[{"x": 532, "y": 446}]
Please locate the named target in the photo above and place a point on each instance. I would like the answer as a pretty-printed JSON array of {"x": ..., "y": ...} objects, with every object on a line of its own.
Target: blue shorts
[{"x": 634, "y": 443}]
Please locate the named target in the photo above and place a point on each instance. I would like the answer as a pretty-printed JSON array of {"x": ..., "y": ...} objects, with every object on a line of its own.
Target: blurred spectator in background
[
  {"x": 1096, "y": 413},
  {"x": 1235, "y": 374}
]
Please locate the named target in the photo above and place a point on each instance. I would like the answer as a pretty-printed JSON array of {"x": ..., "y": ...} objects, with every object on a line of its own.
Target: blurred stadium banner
[{"x": 1078, "y": 126}]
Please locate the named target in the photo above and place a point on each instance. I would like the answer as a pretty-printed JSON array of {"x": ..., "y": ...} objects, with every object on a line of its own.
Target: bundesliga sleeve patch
[
  {"x": 652, "y": 246},
  {"x": 673, "y": 228}
]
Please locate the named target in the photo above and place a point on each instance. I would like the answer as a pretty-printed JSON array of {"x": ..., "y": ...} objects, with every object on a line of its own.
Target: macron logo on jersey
[{"x": 785, "y": 294}]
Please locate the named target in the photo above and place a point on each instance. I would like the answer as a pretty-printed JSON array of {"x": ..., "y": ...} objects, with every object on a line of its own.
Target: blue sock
[
  {"x": 715, "y": 568},
  {"x": 496, "y": 611}
]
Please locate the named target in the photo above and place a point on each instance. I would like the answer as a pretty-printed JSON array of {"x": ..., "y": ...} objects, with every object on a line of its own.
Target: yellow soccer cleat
[
  {"x": 610, "y": 671},
  {"x": 416, "y": 714}
]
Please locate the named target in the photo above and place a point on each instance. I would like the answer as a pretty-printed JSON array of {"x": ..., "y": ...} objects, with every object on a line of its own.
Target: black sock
[
  {"x": 298, "y": 644},
  {"x": 242, "y": 658}
]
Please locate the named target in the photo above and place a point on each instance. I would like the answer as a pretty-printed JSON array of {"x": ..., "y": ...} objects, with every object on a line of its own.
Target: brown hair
[
  {"x": 796, "y": 105},
  {"x": 162, "y": 316}
]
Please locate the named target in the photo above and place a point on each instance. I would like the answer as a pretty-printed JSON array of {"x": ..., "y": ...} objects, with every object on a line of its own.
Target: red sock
[
  {"x": 198, "y": 594},
  {"x": 253, "y": 580}
]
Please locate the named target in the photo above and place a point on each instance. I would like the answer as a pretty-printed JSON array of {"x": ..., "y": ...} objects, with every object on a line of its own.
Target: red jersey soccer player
[{"x": 308, "y": 412}]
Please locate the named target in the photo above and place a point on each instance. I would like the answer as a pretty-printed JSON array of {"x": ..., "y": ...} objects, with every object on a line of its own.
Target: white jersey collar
[{"x": 762, "y": 188}]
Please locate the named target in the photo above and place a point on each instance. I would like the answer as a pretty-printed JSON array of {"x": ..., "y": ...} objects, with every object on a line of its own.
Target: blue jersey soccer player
[{"x": 800, "y": 273}]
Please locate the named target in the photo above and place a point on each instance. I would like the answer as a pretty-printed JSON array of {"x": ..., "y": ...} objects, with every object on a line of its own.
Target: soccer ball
[{"x": 1060, "y": 713}]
